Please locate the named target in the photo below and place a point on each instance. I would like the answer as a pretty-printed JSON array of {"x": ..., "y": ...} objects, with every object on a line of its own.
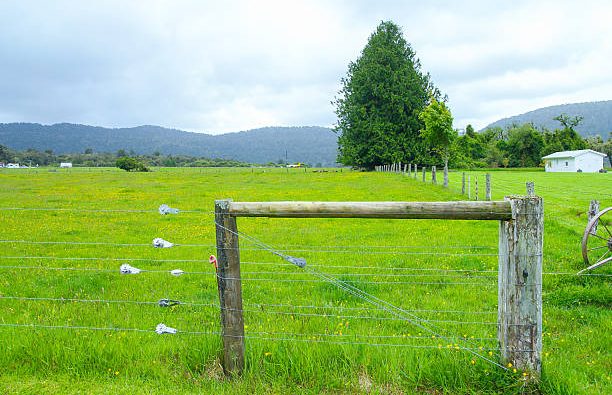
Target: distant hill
[
  {"x": 307, "y": 144},
  {"x": 597, "y": 117}
]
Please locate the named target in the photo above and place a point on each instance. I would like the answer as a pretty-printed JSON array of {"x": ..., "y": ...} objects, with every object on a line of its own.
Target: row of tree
[
  {"x": 89, "y": 158},
  {"x": 389, "y": 111},
  {"x": 521, "y": 145}
]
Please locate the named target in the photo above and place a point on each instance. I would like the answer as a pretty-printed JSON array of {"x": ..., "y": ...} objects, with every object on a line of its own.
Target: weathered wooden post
[
  {"x": 230, "y": 289},
  {"x": 445, "y": 175},
  {"x": 488, "y": 186},
  {"x": 469, "y": 187},
  {"x": 423, "y": 173},
  {"x": 530, "y": 188},
  {"x": 476, "y": 187},
  {"x": 416, "y": 170},
  {"x": 463, "y": 183},
  {"x": 593, "y": 211},
  {"x": 433, "y": 175},
  {"x": 521, "y": 242}
]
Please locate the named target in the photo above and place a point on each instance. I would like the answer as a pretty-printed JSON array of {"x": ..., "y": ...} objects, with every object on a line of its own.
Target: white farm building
[{"x": 585, "y": 160}]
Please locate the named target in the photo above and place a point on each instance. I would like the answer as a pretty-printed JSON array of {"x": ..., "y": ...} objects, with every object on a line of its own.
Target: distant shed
[{"x": 585, "y": 160}]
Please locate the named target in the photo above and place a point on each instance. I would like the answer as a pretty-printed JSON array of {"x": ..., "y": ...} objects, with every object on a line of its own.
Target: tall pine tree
[{"x": 380, "y": 101}]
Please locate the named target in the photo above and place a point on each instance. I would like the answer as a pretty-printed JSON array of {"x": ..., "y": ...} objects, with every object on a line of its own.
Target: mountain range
[
  {"x": 597, "y": 118},
  {"x": 312, "y": 145},
  {"x": 307, "y": 144}
]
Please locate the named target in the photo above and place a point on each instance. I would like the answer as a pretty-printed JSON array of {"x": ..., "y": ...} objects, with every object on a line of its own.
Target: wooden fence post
[
  {"x": 433, "y": 175},
  {"x": 416, "y": 170},
  {"x": 476, "y": 187},
  {"x": 230, "y": 289},
  {"x": 530, "y": 188},
  {"x": 445, "y": 175},
  {"x": 463, "y": 183},
  {"x": 469, "y": 186},
  {"x": 423, "y": 173},
  {"x": 520, "y": 285},
  {"x": 593, "y": 211},
  {"x": 488, "y": 187}
]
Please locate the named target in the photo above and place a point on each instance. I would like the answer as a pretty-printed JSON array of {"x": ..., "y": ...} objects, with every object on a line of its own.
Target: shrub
[{"x": 131, "y": 164}]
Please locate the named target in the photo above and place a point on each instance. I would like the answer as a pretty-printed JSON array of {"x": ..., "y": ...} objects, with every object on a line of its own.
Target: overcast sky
[{"x": 225, "y": 66}]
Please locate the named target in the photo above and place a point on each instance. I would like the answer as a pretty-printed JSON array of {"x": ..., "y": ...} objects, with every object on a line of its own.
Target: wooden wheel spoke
[{"x": 597, "y": 228}]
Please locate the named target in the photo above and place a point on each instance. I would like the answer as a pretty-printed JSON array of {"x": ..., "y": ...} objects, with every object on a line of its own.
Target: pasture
[{"x": 64, "y": 235}]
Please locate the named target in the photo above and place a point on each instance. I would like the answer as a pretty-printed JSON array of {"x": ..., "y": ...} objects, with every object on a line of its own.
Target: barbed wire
[
  {"x": 82, "y": 210},
  {"x": 254, "y": 336}
]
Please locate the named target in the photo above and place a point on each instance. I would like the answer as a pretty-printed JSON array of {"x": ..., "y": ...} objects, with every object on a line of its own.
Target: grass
[{"x": 311, "y": 357}]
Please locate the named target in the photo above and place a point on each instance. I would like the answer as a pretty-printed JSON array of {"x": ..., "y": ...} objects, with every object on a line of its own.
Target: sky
[{"x": 226, "y": 66}]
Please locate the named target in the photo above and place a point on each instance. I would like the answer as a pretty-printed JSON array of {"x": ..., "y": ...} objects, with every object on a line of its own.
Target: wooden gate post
[
  {"x": 488, "y": 187},
  {"x": 230, "y": 289},
  {"x": 433, "y": 175},
  {"x": 520, "y": 284}
]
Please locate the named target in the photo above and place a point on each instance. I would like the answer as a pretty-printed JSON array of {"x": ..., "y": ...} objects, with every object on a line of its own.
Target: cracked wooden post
[
  {"x": 488, "y": 187},
  {"x": 521, "y": 242},
  {"x": 230, "y": 289}
]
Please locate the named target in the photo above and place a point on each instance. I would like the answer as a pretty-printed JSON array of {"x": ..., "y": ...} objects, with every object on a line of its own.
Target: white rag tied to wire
[
  {"x": 127, "y": 269},
  {"x": 161, "y": 329},
  {"x": 161, "y": 243},
  {"x": 165, "y": 209}
]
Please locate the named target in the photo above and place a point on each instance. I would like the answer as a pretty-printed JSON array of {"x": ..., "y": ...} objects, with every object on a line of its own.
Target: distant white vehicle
[
  {"x": 66, "y": 165},
  {"x": 12, "y": 165}
]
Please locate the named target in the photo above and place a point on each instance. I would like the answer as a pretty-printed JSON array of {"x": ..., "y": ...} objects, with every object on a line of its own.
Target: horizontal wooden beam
[{"x": 463, "y": 210}]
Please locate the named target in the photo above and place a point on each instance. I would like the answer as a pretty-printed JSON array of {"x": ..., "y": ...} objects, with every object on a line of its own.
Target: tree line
[
  {"x": 521, "y": 145},
  {"x": 89, "y": 158}
]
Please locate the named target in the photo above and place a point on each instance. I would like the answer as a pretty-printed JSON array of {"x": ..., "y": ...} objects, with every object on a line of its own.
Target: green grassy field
[{"x": 303, "y": 335}]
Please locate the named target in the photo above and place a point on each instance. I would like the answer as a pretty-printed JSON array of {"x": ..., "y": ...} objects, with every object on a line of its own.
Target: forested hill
[
  {"x": 308, "y": 144},
  {"x": 597, "y": 117}
]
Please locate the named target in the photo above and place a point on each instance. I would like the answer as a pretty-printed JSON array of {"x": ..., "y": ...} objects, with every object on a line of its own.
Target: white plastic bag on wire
[{"x": 161, "y": 243}]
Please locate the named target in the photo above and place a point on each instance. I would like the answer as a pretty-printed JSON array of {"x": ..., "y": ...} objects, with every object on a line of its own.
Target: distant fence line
[{"x": 412, "y": 170}]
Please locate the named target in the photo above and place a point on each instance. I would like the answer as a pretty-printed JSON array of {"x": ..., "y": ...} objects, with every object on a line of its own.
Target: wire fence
[{"x": 443, "y": 331}]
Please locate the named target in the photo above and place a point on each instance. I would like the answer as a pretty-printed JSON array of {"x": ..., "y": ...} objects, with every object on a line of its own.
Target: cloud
[{"x": 235, "y": 65}]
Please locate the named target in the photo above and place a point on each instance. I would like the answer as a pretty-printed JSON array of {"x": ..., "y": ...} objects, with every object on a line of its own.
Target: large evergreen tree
[{"x": 380, "y": 101}]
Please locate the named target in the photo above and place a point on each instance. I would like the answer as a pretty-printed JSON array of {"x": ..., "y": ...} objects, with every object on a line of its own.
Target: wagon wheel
[{"x": 597, "y": 241}]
